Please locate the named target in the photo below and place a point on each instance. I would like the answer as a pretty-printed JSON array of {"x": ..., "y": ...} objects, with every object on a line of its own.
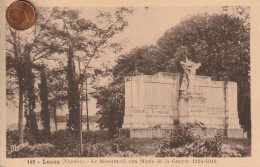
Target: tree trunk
[
  {"x": 31, "y": 124},
  {"x": 87, "y": 104},
  {"x": 20, "y": 120},
  {"x": 74, "y": 122},
  {"x": 45, "y": 114},
  {"x": 54, "y": 105},
  {"x": 73, "y": 94},
  {"x": 20, "y": 74}
]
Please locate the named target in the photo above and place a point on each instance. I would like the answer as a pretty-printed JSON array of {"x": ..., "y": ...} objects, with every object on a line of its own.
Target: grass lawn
[
  {"x": 246, "y": 143},
  {"x": 148, "y": 147},
  {"x": 62, "y": 144}
]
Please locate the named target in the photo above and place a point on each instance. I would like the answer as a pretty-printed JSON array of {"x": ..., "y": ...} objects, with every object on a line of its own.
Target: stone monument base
[
  {"x": 236, "y": 133},
  {"x": 166, "y": 132},
  {"x": 232, "y": 133},
  {"x": 145, "y": 132}
]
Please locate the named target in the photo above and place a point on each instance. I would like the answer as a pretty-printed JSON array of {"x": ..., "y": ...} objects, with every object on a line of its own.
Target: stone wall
[
  {"x": 151, "y": 101},
  {"x": 154, "y": 101}
]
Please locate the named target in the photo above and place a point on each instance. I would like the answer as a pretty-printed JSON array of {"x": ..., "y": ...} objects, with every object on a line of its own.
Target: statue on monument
[
  {"x": 189, "y": 68},
  {"x": 136, "y": 72}
]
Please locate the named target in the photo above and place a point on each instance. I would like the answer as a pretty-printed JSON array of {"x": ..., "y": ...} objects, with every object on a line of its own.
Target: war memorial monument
[{"x": 154, "y": 104}]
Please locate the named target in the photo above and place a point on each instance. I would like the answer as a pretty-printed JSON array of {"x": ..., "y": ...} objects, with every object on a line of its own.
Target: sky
[{"x": 145, "y": 26}]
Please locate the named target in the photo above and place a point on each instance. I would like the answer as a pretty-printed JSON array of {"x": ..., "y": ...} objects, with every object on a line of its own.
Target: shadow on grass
[
  {"x": 234, "y": 142},
  {"x": 146, "y": 146}
]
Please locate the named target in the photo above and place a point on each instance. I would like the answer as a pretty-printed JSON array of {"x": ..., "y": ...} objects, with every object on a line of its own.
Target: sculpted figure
[{"x": 189, "y": 69}]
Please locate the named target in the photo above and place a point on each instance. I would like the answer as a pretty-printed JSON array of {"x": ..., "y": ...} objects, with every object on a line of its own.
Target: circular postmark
[{"x": 20, "y": 15}]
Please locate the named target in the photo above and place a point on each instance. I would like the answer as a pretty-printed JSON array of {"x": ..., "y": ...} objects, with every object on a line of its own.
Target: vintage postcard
[{"x": 129, "y": 83}]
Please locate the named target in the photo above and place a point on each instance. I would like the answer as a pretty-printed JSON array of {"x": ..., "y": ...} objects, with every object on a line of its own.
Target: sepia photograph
[{"x": 128, "y": 82}]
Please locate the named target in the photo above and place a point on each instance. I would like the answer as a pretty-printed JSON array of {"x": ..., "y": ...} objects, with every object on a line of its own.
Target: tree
[
  {"x": 57, "y": 87},
  {"x": 222, "y": 44},
  {"x": 79, "y": 41},
  {"x": 146, "y": 60},
  {"x": 45, "y": 114},
  {"x": 111, "y": 101},
  {"x": 26, "y": 58},
  {"x": 22, "y": 55}
]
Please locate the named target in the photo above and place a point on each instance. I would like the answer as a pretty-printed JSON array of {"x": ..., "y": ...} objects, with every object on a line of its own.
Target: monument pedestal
[
  {"x": 146, "y": 132},
  {"x": 236, "y": 133},
  {"x": 192, "y": 108}
]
